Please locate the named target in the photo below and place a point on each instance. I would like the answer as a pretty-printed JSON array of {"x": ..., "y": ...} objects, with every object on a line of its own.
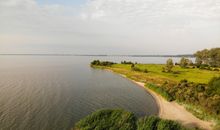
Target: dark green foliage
[
  {"x": 132, "y": 66},
  {"x": 127, "y": 62},
  {"x": 169, "y": 125},
  {"x": 135, "y": 68},
  {"x": 203, "y": 95},
  {"x": 145, "y": 71},
  {"x": 161, "y": 91},
  {"x": 214, "y": 86},
  {"x": 102, "y": 63},
  {"x": 148, "y": 123},
  {"x": 108, "y": 120},
  {"x": 155, "y": 123},
  {"x": 122, "y": 120}
]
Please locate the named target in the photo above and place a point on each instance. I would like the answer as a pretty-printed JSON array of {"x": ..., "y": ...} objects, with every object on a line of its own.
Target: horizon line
[{"x": 126, "y": 55}]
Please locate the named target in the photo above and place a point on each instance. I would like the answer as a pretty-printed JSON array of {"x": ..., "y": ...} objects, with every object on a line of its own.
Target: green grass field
[{"x": 155, "y": 71}]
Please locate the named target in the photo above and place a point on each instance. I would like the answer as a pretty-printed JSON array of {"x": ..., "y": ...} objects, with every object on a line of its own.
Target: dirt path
[{"x": 174, "y": 111}]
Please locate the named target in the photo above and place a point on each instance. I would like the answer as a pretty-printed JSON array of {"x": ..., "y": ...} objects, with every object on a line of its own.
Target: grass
[{"x": 155, "y": 70}]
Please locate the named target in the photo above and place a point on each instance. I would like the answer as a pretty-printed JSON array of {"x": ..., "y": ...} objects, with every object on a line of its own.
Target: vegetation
[
  {"x": 182, "y": 85},
  {"x": 208, "y": 57},
  {"x": 160, "y": 91},
  {"x": 184, "y": 62},
  {"x": 122, "y": 120},
  {"x": 101, "y": 63},
  {"x": 135, "y": 68},
  {"x": 169, "y": 66},
  {"x": 197, "y": 94},
  {"x": 155, "y": 123},
  {"x": 192, "y": 86},
  {"x": 108, "y": 120},
  {"x": 127, "y": 62}
]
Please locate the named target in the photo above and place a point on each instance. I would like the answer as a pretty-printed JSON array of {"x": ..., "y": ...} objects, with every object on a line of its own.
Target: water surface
[{"x": 54, "y": 92}]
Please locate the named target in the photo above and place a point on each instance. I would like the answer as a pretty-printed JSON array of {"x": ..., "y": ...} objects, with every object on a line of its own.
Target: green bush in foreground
[
  {"x": 108, "y": 120},
  {"x": 122, "y": 120}
]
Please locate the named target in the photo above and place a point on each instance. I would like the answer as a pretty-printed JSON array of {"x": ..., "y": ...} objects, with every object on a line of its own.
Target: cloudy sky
[{"x": 109, "y": 26}]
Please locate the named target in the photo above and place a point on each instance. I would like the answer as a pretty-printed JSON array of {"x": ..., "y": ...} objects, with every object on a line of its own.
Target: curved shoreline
[{"x": 172, "y": 110}]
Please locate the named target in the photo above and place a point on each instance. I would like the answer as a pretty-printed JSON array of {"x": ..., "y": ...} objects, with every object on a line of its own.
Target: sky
[{"x": 108, "y": 26}]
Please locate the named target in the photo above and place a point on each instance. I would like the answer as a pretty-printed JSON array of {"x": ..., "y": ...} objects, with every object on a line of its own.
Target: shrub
[
  {"x": 161, "y": 91},
  {"x": 122, "y": 120},
  {"x": 101, "y": 63},
  {"x": 148, "y": 123},
  {"x": 169, "y": 65},
  {"x": 145, "y": 71},
  {"x": 214, "y": 86},
  {"x": 184, "y": 62},
  {"x": 215, "y": 69},
  {"x": 108, "y": 120},
  {"x": 126, "y": 62},
  {"x": 136, "y": 69},
  {"x": 169, "y": 125}
]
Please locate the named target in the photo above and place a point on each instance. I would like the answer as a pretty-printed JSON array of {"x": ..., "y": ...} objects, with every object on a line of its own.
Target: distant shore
[{"x": 172, "y": 110}]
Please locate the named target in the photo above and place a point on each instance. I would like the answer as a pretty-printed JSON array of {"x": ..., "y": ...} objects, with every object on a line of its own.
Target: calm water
[{"x": 54, "y": 92}]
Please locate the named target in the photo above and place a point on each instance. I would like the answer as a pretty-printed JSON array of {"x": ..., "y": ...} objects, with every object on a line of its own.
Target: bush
[
  {"x": 101, "y": 63},
  {"x": 215, "y": 69},
  {"x": 127, "y": 62},
  {"x": 169, "y": 66},
  {"x": 160, "y": 91},
  {"x": 145, "y": 71},
  {"x": 214, "y": 86},
  {"x": 108, "y": 120},
  {"x": 122, "y": 120},
  {"x": 136, "y": 69},
  {"x": 148, "y": 123},
  {"x": 169, "y": 125}
]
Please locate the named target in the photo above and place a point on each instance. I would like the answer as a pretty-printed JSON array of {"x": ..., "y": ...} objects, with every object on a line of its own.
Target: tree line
[{"x": 210, "y": 57}]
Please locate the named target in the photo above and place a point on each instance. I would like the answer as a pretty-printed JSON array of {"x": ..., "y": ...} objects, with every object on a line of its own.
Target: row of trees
[
  {"x": 101, "y": 63},
  {"x": 184, "y": 63},
  {"x": 204, "y": 58},
  {"x": 209, "y": 57}
]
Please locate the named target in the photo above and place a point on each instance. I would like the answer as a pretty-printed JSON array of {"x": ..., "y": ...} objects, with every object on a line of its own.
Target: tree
[
  {"x": 183, "y": 62},
  {"x": 169, "y": 65},
  {"x": 215, "y": 57},
  {"x": 208, "y": 57},
  {"x": 202, "y": 57}
]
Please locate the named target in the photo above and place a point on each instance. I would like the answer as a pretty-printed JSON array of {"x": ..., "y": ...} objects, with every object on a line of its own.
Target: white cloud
[{"x": 115, "y": 26}]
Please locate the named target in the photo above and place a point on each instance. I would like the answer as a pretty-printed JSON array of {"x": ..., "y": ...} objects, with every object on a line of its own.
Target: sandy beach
[{"x": 174, "y": 111}]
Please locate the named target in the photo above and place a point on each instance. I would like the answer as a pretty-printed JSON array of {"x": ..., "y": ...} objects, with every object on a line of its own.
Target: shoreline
[{"x": 172, "y": 110}]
